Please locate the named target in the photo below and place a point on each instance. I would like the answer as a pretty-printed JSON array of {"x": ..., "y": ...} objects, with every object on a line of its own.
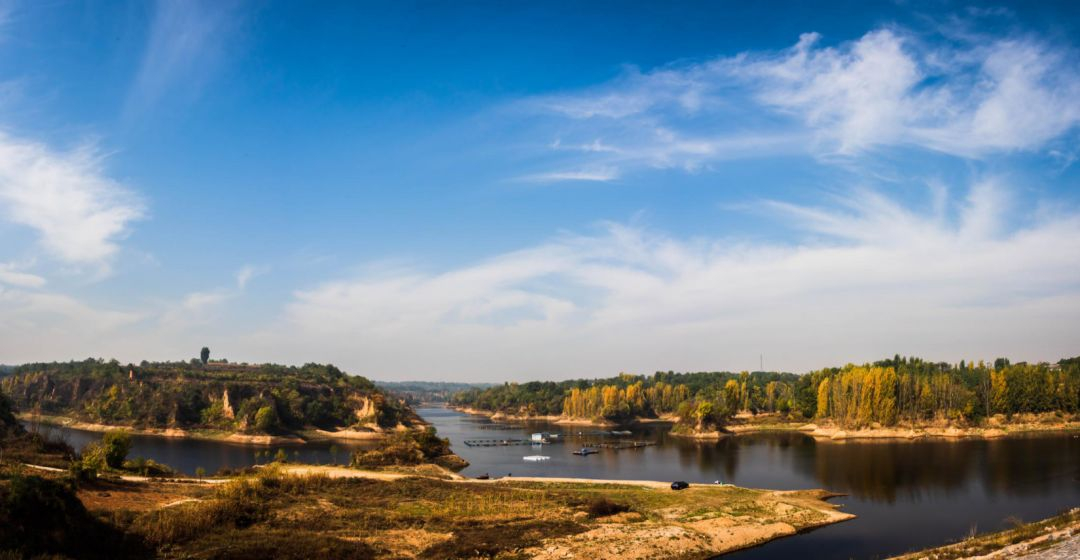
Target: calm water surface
[
  {"x": 186, "y": 455},
  {"x": 907, "y": 495}
]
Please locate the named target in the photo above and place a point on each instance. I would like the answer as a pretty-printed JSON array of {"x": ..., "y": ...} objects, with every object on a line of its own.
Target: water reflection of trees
[
  {"x": 1032, "y": 465},
  {"x": 882, "y": 471},
  {"x": 724, "y": 456}
]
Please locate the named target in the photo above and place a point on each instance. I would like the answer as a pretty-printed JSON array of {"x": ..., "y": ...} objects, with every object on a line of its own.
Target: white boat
[{"x": 536, "y": 458}]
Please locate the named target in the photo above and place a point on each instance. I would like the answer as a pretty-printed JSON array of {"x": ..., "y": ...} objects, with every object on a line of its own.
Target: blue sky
[{"x": 486, "y": 191}]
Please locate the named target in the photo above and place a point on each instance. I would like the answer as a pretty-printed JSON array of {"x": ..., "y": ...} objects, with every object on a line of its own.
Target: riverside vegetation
[{"x": 893, "y": 392}]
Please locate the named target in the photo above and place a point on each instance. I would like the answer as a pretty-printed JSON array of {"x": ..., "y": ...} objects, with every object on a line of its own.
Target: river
[{"x": 907, "y": 494}]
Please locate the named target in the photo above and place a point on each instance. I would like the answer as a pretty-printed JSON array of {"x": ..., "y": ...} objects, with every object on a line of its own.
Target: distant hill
[
  {"x": 427, "y": 391},
  {"x": 252, "y": 399}
]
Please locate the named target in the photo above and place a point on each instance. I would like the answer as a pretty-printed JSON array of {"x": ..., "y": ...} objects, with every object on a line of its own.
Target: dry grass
[{"x": 426, "y": 517}]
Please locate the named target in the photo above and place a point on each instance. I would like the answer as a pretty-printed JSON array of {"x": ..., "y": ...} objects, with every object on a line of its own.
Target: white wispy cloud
[
  {"x": 872, "y": 277},
  {"x": 78, "y": 212},
  {"x": 599, "y": 174},
  {"x": 966, "y": 95},
  {"x": 247, "y": 273},
  {"x": 185, "y": 47},
  {"x": 12, "y": 275}
]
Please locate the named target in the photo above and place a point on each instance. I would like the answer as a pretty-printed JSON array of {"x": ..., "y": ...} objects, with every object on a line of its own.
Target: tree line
[
  {"x": 264, "y": 398},
  {"x": 887, "y": 393}
]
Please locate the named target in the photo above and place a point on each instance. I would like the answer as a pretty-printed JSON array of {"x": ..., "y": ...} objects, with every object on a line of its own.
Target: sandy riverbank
[
  {"x": 836, "y": 433},
  {"x": 997, "y": 427},
  {"x": 557, "y": 419},
  {"x": 307, "y": 436}
]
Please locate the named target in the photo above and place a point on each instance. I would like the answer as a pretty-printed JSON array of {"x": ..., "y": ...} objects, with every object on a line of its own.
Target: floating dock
[
  {"x": 624, "y": 444},
  {"x": 502, "y": 442}
]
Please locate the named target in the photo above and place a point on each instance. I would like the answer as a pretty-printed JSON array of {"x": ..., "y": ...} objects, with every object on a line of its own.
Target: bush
[
  {"x": 93, "y": 457},
  {"x": 148, "y": 467},
  {"x": 116, "y": 445},
  {"x": 603, "y": 507},
  {"x": 79, "y": 472},
  {"x": 410, "y": 447}
]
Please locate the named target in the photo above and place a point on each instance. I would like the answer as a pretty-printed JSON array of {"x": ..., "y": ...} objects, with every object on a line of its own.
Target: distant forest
[
  {"x": 887, "y": 392},
  {"x": 416, "y": 392},
  {"x": 263, "y": 398}
]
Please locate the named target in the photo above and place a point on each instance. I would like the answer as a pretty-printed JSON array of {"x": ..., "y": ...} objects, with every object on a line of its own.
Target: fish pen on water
[
  {"x": 503, "y": 442},
  {"x": 617, "y": 445}
]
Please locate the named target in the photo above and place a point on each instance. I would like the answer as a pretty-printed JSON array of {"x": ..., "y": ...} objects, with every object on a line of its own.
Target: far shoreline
[{"x": 823, "y": 433}]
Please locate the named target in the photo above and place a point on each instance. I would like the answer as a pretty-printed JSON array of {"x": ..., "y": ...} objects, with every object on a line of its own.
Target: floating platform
[
  {"x": 503, "y": 442},
  {"x": 624, "y": 444}
]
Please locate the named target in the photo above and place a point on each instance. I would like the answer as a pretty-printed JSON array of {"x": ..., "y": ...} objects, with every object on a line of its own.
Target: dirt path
[
  {"x": 134, "y": 478},
  {"x": 343, "y": 472},
  {"x": 551, "y": 479}
]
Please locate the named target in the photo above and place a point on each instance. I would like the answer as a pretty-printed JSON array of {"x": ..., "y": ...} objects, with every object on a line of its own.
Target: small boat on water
[
  {"x": 536, "y": 458},
  {"x": 621, "y": 432},
  {"x": 585, "y": 451}
]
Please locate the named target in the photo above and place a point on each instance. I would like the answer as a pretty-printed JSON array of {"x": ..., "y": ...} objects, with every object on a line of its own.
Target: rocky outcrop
[{"x": 226, "y": 406}]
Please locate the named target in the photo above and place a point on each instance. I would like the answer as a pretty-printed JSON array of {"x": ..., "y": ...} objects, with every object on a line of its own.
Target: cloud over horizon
[{"x": 868, "y": 281}]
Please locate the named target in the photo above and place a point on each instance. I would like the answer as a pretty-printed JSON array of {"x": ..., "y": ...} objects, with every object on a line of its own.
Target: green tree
[
  {"x": 204, "y": 355},
  {"x": 281, "y": 456},
  {"x": 266, "y": 419},
  {"x": 115, "y": 447}
]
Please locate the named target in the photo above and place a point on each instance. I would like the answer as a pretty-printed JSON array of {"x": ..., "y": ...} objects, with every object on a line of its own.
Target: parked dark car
[{"x": 679, "y": 485}]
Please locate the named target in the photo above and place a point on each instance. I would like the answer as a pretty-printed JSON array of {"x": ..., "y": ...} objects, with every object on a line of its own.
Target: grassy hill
[{"x": 252, "y": 399}]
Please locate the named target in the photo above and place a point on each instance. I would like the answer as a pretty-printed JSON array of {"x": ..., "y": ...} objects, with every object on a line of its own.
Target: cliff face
[{"x": 253, "y": 399}]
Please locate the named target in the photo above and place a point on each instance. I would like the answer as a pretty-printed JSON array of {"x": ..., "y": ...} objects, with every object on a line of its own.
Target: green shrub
[
  {"x": 410, "y": 447},
  {"x": 93, "y": 457},
  {"x": 116, "y": 445},
  {"x": 148, "y": 467}
]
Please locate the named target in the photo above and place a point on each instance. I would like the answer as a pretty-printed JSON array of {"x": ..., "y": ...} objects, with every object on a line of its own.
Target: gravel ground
[{"x": 1068, "y": 550}]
